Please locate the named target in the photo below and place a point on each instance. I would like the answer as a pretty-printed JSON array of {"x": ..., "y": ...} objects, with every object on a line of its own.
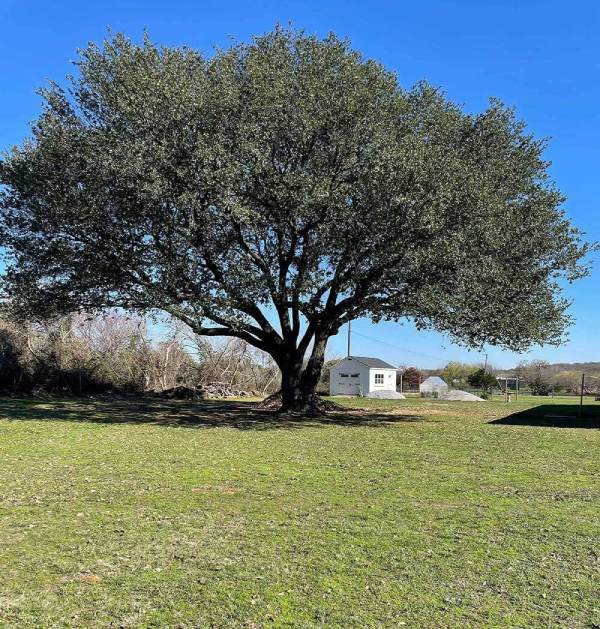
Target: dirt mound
[
  {"x": 461, "y": 396},
  {"x": 183, "y": 393}
]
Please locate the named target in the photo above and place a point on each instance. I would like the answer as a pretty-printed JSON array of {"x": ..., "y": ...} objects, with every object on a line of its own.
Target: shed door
[
  {"x": 354, "y": 384},
  {"x": 349, "y": 384}
]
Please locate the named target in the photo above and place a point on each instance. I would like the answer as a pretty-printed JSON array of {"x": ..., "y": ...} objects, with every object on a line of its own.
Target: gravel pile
[
  {"x": 461, "y": 396},
  {"x": 386, "y": 395}
]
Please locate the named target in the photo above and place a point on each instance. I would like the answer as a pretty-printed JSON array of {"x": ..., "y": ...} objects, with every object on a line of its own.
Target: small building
[
  {"x": 361, "y": 375},
  {"x": 433, "y": 386}
]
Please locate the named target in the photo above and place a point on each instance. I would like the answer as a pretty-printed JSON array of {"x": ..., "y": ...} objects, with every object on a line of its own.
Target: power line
[
  {"x": 402, "y": 349},
  {"x": 424, "y": 355}
]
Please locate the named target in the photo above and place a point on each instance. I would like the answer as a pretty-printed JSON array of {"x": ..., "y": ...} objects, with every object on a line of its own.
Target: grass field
[{"x": 407, "y": 513}]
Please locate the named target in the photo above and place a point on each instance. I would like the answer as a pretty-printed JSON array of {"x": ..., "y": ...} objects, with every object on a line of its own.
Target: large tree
[
  {"x": 274, "y": 192},
  {"x": 455, "y": 372}
]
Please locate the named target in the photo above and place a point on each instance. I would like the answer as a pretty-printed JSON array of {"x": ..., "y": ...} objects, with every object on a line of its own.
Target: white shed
[
  {"x": 433, "y": 386},
  {"x": 361, "y": 375}
]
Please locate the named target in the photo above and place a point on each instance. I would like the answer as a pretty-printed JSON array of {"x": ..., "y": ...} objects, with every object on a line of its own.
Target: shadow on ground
[
  {"x": 555, "y": 416},
  {"x": 203, "y": 414}
]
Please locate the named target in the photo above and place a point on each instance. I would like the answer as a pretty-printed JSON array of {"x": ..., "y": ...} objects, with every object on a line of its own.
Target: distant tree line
[
  {"x": 539, "y": 377},
  {"x": 544, "y": 378}
]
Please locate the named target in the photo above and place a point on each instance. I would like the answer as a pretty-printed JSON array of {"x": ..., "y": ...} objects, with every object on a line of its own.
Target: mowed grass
[{"x": 410, "y": 513}]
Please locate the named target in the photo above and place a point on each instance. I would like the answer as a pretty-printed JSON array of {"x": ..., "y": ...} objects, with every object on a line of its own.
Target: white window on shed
[{"x": 378, "y": 378}]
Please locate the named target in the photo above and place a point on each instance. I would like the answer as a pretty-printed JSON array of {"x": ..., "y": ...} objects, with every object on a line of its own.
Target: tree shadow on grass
[
  {"x": 555, "y": 416},
  {"x": 196, "y": 414}
]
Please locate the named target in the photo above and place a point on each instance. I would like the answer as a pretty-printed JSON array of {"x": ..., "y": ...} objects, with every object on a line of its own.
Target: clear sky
[{"x": 542, "y": 56}]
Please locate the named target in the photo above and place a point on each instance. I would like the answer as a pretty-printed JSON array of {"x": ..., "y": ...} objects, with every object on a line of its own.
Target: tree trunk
[
  {"x": 292, "y": 395},
  {"x": 299, "y": 382}
]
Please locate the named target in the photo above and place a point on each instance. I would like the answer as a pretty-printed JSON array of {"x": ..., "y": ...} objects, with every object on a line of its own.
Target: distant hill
[
  {"x": 591, "y": 366},
  {"x": 554, "y": 368}
]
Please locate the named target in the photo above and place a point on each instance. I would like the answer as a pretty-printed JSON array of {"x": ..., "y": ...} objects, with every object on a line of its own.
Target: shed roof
[
  {"x": 376, "y": 363},
  {"x": 434, "y": 381}
]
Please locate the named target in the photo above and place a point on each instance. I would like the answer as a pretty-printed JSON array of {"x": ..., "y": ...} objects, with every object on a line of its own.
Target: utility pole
[
  {"x": 485, "y": 363},
  {"x": 581, "y": 396},
  {"x": 349, "y": 334},
  {"x": 517, "y": 388},
  {"x": 401, "y": 374}
]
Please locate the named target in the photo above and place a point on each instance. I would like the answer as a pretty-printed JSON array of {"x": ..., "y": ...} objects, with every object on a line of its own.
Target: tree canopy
[
  {"x": 277, "y": 190},
  {"x": 456, "y": 372},
  {"x": 482, "y": 379}
]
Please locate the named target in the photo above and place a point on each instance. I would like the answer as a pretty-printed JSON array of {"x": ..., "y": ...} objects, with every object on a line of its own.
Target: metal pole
[
  {"x": 581, "y": 396},
  {"x": 517, "y": 388},
  {"x": 401, "y": 374},
  {"x": 349, "y": 334},
  {"x": 485, "y": 364}
]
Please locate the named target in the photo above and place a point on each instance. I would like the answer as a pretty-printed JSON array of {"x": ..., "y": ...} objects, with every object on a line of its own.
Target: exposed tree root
[{"x": 318, "y": 406}]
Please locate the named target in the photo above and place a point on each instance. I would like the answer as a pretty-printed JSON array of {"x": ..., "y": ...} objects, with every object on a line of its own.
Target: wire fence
[{"x": 589, "y": 387}]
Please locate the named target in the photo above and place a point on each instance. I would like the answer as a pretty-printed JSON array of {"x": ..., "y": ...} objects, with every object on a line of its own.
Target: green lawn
[{"x": 403, "y": 514}]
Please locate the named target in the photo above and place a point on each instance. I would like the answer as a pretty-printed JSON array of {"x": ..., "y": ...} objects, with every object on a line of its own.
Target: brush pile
[{"x": 212, "y": 390}]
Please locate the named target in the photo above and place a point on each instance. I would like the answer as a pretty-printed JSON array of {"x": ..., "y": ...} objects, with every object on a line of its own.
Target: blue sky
[{"x": 542, "y": 56}]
